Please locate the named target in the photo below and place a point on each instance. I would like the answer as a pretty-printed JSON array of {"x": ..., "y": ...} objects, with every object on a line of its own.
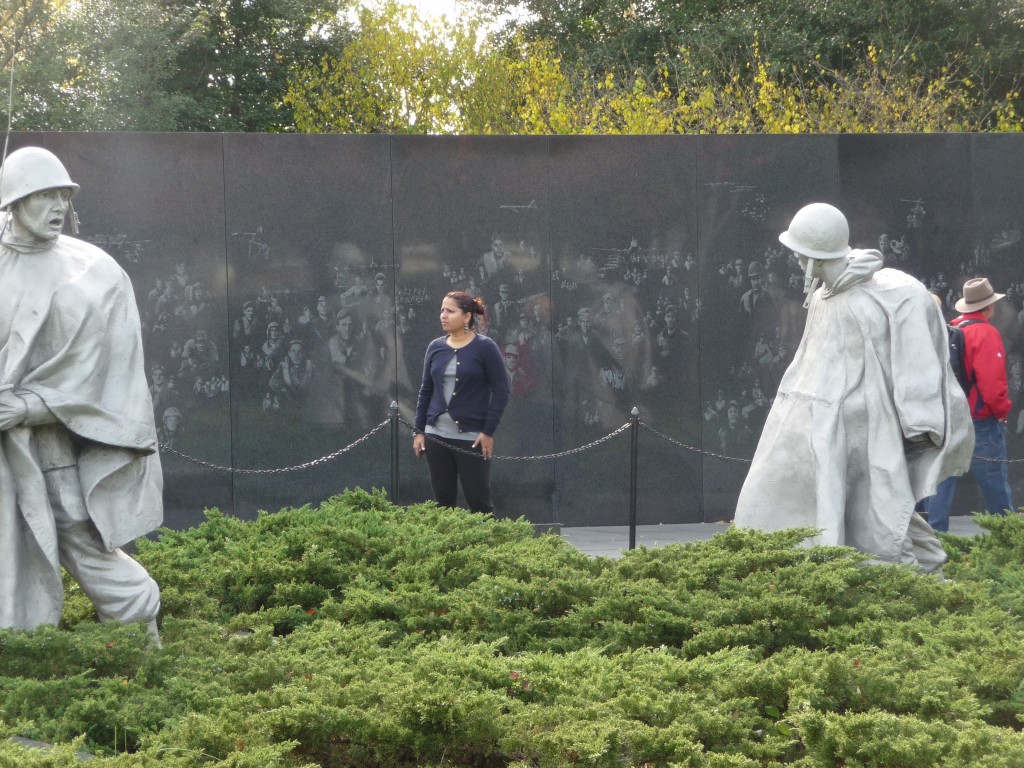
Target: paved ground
[{"x": 612, "y": 540}]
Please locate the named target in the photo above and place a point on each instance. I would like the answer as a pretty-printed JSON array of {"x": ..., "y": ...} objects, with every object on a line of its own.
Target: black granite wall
[{"x": 620, "y": 272}]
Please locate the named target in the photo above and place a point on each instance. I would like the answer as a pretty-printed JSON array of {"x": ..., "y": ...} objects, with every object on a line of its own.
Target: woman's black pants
[{"x": 448, "y": 467}]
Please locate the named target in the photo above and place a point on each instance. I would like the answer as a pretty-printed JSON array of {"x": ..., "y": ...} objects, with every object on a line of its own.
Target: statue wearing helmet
[
  {"x": 29, "y": 170},
  {"x": 819, "y": 235},
  {"x": 78, "y": 447},
  {"x": 868, "y": 418}
]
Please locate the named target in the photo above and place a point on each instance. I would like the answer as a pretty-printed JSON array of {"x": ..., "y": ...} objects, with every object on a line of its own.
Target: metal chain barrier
[
  {"x": 663, "y": 436},
  {"x": 539, "y": 457},
  {"x": 277, "y": 470},
  {"x": 545, "y": 456},
  {"x": 747, "y": 461}
]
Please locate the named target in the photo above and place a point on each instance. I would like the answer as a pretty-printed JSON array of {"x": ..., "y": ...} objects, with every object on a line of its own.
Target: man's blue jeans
[{"x": 992, "y": 476}]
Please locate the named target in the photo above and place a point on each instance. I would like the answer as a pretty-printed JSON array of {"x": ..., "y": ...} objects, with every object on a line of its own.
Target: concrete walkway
[{"x": 613, "y": 540}]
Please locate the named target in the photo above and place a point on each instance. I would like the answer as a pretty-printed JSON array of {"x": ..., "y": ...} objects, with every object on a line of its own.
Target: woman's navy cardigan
[{"x": 481, "y": 386}]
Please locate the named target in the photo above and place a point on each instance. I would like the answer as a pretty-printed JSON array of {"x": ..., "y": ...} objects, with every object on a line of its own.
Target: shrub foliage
[{"x": 364, "y": 634}]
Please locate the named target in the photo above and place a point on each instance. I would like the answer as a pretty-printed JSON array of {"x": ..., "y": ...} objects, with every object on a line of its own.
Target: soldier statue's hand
[{"x": 13, "y": 410}]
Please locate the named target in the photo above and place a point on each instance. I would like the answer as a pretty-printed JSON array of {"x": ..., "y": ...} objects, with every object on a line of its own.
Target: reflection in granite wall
[
  {"x": 625, "y": 310},
  {"x": 312, "y": 332},
  {"x": 290, "y": 284}
]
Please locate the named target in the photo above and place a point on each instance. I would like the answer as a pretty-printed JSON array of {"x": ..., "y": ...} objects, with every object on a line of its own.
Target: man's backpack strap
[{"x": 966, "y": 379}]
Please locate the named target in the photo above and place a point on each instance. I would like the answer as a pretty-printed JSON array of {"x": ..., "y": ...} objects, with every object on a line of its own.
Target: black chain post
[
  {"x": 394, "y": 452},
  {"x": 634, "y": 449}
]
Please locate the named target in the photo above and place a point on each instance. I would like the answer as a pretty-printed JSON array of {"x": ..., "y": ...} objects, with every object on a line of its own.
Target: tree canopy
[
  {"x": 806, "y": 47},
  {"x": 19, "y": 21},
  {"x": 603, "y": 36},
  {"x": 404, "y": 74},
  {"x": 561, "y": 66},
  {"x": 205, "y": 65}
]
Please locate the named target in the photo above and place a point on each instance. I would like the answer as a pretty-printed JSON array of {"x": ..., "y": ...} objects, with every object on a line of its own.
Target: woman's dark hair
[{"x": 467, "y": 303}]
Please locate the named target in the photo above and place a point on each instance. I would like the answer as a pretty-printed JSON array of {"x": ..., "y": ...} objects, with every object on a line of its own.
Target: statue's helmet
[
  {"x": 29, "y": 170},
  {"x": 819, "y": 231}
]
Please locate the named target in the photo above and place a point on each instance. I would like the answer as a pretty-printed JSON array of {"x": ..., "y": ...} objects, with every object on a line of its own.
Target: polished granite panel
[
  {"x": 624, "y": 301},
  {"x": 473, "y": 215},
  {"x": 909, "y": 196},
  {"x": 751, "y": 291},
  {"x": 311, "y": 336}
]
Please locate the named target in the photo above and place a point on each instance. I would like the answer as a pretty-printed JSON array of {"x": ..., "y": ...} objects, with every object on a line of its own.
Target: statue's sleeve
[
  {"x": 920, "y": 367},
  {"x": 37, "y": 413}
]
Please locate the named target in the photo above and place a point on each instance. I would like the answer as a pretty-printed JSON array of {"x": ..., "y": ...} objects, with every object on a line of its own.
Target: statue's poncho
[
  {"x": 868, "y": 418},
  {"x": 70, "y": 334}
]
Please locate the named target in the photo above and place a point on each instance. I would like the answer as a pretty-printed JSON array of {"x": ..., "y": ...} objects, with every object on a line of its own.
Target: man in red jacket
[{"x": 985, "y": 364}]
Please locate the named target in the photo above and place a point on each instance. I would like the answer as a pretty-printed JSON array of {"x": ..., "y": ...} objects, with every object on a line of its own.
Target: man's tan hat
[{"x": 978, "y": 294}]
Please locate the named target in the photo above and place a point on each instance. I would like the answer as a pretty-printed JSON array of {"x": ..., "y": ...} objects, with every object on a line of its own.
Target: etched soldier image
[
  {"x": 504, "y": 311},
  {"x": 170, "y": 428},
  {"x": 340, "y": 394},
  {"x": 494, "y": 261},
  {"x": 756, "y": 300},
  {"x": 293, "y": 375},
  {"x": 736, "y": 438},
  {"x": 247, "y": 329}
]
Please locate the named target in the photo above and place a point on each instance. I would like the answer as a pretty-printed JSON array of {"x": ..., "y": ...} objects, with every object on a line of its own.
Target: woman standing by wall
[{"x": 464, "y": 391}]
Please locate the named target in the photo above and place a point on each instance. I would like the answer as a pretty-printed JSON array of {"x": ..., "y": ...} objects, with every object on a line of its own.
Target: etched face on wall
[
  {"x": 345, "y": 327},
  {"x": 511, "y": 358},
  {"x": 172, "y": 419}
]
